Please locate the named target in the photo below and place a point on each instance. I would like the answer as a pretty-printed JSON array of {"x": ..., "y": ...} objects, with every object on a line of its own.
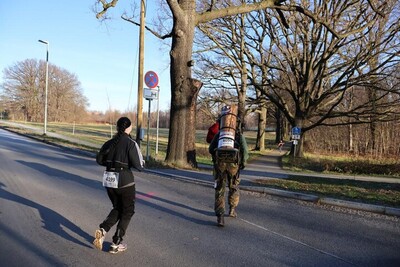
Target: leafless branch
[
  {"x": 156, "y": 34},
  {"x": 106, "y": 5}
]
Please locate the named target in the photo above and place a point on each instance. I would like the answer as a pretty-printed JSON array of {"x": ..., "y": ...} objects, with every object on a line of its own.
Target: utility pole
[{"x": 140, "y": 74}]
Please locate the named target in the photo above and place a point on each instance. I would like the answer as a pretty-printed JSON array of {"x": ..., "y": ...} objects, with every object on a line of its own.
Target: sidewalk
[{"x": 264, "y": 167}]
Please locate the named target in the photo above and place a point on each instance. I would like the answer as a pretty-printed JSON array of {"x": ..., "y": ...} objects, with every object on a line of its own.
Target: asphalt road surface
[{"x": 52, "y": 200}]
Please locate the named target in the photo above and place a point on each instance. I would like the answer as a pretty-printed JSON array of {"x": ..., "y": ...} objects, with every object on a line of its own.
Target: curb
[
  {"x": 361, "y": 206},
  {"x": 384, "y": 210},
  {"x": 281, "y": 193}
]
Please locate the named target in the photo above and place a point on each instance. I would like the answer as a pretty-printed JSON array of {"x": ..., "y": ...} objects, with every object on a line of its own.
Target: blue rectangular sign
[{"x": 296, "y": 131}]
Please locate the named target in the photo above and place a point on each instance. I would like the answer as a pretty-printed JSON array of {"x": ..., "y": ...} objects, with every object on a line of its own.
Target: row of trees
[
  {"x": 185, "y": 16},
  {"x": 378, "y": 139},
  {"x": 309, "y": 64},
  {"x": 23, "y": 93},
  {"x": 356, "y": 140},
  {"x": 322, "y": 63},
  {"x": 23, "y": 97},
  {"x": 309, "y": 59}
]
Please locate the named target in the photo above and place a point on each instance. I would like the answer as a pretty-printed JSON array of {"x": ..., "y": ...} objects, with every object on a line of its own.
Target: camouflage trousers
[{"x": 226, "y": 173}]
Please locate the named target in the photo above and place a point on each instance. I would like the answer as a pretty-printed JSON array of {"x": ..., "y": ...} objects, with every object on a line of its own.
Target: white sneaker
[
  {"x": 99, "y": 236},
  {"x": 117, "y": 248}
]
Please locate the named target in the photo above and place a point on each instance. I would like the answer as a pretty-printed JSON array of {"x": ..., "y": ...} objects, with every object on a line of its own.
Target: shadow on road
[
  {"x": 53, "y": 221},
  {"x": 62, "y": 175},
  {"x": 23, "y": 242},
  {"x": 142, "y": 200}
]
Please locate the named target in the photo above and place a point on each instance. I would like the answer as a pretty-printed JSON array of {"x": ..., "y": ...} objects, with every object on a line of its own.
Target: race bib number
[{"x": 110, "y": 179}]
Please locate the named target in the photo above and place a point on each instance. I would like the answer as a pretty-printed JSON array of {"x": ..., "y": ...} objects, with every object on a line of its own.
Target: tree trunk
[
  {"x": 372, "y": 126},
  {"x": 181, "y": 150},
  {"x": 262, "y": 121},
  {"x": 351, "y": 148},
  {"x": 279, "y": 131},
  {"x": 242, "y": 98}
]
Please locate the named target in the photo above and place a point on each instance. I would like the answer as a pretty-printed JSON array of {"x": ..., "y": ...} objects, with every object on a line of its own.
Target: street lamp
[{"x": 47, "y": 84}]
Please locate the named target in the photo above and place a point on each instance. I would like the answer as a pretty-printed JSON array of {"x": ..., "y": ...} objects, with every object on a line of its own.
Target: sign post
[
  {"x": 158, "y": 117},
  {"x": 296, "y": 133},
  {"x": 151, "y": 80},
  {"x": 148, "y": 130}
]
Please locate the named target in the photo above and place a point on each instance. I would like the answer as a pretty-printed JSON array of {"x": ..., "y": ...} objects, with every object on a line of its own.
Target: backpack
[
  {"x": 230, "y": 155},
  {"x": 212, "y": 131}
]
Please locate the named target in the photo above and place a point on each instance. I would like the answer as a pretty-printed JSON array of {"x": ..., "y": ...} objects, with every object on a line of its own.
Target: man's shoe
[
  {"x": 114, "y": 249},
  {"x": 99, "y": 236},
  {"x": 232, "y": 213},
  {"x": 220, "y": 221}
]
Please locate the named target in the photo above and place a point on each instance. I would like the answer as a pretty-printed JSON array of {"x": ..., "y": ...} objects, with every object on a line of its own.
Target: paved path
[
  {"x": 264, "y": 167},
  {"x": 269, "y": 166}
]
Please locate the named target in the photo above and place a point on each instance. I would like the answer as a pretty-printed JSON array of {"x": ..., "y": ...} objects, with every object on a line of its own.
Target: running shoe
[
  {"x": 99, "y": 236},
  {"x": 114, "y": 249}
]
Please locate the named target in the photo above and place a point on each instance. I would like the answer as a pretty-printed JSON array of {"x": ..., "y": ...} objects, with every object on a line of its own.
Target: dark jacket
[{"x": 121, "y": 158}]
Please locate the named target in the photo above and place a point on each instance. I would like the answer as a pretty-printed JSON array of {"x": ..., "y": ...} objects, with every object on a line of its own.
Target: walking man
[{"x": 228, "y": 161}]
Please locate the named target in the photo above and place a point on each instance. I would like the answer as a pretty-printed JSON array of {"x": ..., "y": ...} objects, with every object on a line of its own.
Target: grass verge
[{"x": 378, "y": 193}]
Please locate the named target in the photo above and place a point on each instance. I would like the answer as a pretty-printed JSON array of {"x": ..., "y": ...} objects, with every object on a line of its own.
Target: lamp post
[{"x": 47, "y": 84}]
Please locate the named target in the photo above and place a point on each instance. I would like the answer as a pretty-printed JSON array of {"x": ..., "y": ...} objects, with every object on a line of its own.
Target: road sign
[
  {"x": 150, "y": 94},
  {"x": 295, "y": 137},
  {"x": 151, "y": 79},
  {"x": 296, "y": 131}
]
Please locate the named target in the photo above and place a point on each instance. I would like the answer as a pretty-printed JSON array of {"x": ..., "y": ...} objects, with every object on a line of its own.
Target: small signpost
[
  {"x": 296, "y": 133},
  {"x": 151, "y": 80}
]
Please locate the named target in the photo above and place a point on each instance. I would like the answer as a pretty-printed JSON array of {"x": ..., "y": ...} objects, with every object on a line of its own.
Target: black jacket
[{"x": 121, "y": 158}]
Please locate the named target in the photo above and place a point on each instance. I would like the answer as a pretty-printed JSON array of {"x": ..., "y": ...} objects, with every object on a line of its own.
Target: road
[{"x": 52, "y": 200}]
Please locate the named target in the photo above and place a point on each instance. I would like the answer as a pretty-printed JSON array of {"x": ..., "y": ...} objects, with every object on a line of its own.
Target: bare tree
[
  {"x": 24, "y": 92},
  {"x": 332, "y": 29},
  {"x": 21, "y": 90},
  {"x": 317, "y": 57},
  {"x": 228, "y": 65},
  {"x": 186, "y": 15}
]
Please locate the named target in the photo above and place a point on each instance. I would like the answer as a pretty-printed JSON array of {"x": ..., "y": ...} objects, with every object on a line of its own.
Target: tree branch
[
  {"x": 232, "y": 10},
  {"x": 156, "y": 34},
  {"x": 106, "y": 6}
]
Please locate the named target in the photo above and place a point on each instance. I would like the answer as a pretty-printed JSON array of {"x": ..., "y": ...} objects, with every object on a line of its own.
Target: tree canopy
[{"x": 23, "y": 92}]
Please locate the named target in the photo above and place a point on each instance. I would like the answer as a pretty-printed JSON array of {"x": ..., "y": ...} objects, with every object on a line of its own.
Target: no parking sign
[{"x": 151, "y": 79}]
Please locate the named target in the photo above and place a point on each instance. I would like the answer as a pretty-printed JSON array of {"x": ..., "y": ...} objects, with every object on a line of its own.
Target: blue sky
[{"x": 104, "y": 56}]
